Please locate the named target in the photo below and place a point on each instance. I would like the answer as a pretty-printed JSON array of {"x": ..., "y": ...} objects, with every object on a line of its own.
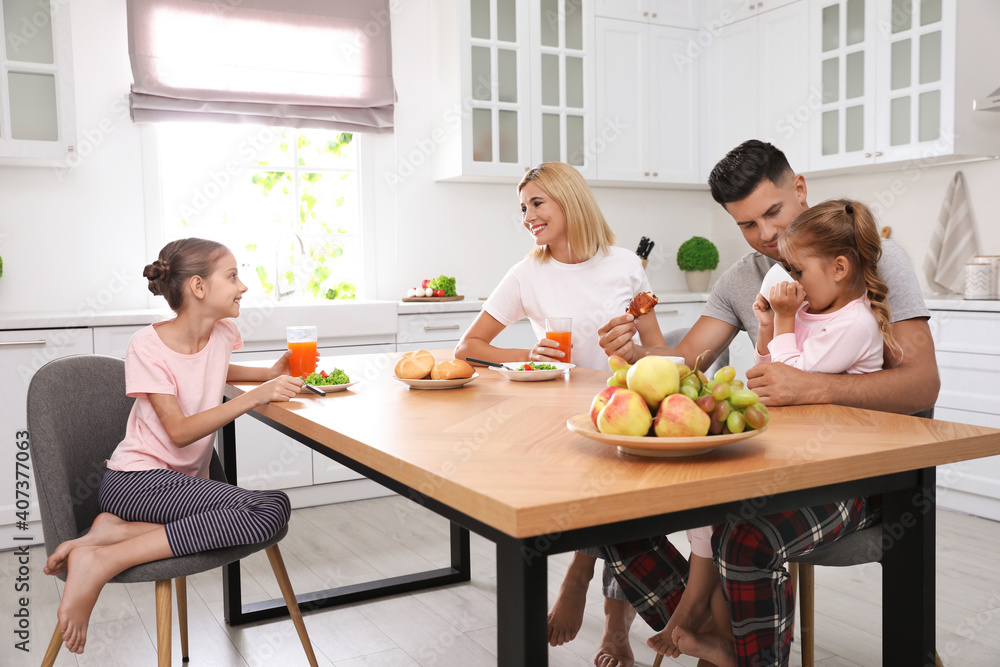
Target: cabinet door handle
[
  {"x": 645, "y": 13},
  {"x": 868, "y": 154},
  {"x": 667, "y": 312},
  {"x": 23, "y": 342},
  {"x": 445, "y": 328},
  {"x": 878, "y": 153},
  {"x": 655, "y": 174}
]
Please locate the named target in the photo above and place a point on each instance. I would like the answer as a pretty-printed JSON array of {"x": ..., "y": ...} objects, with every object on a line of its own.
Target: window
[{"x": 285, "y": 201}]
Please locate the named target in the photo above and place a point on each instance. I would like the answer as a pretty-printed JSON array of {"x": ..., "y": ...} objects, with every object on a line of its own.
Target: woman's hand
[
  {"x": 546, "y": 351},
  {"x": 786, "y": 298},
  {"x": 616, "y": 337},
  {"x": 280, "y": 389}
]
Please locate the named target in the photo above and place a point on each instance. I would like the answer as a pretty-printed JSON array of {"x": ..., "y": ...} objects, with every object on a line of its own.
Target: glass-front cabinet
[
  {"x": 36, "y": 83},
  {"x": 561, "y": 56},
  {"x": 524, "y": 86},
  {"x": 897, "y": 79}
]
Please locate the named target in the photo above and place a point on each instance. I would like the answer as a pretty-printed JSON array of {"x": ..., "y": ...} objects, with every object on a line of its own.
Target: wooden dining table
[{"x": 496, "y": 457}]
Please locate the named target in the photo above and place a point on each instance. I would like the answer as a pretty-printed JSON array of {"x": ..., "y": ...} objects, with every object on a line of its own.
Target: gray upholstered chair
[
  {"x": 77, "y": 411},
  {"x": 675, "y": 336}
]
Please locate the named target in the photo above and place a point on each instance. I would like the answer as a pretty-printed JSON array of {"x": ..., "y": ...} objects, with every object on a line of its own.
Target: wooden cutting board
[{"x": 433, "y": 298}]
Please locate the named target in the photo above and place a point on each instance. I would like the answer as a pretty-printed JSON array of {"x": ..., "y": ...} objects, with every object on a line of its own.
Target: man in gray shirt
[{"x": 757, "y": 187}]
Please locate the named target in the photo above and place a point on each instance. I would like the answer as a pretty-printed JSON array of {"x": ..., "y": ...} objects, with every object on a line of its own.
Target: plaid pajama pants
[{"x": 750, "y": 554}]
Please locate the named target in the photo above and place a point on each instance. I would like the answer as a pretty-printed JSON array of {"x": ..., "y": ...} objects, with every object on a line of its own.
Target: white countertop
[{"x": 956, "y": 302}]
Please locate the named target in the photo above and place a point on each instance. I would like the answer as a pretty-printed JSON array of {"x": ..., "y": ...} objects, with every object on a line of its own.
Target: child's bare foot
[
  {"x": 615, "y": 649},
  {"x": 566, "y": 615},
  {"x": 84, "y": 582},
  {"x": 685, "y": 616},
  {"x": 106, "y": 529},
  {"x": 714, "y": 647}
]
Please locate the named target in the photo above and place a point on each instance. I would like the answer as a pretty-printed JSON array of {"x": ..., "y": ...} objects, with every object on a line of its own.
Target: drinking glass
[
  {"x": 560, "y": 329},
  {"x": 302, "y": 343}
]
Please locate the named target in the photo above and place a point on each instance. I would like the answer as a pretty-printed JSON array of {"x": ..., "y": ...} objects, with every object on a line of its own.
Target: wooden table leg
[
  {"x": 522, "y": 597},
  {"x": 908, "y": 588}
]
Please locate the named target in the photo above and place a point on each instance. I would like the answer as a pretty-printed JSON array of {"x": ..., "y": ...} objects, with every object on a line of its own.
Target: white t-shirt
[{"x": 590, "y": 292}]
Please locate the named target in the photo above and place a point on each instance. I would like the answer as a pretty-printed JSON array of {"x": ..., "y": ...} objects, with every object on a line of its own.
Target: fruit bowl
[{"x": 652, "y": 446}]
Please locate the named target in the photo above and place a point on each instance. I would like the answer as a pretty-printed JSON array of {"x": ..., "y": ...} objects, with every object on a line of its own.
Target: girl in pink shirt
[
  {"x": 834, "y": 318},
  {"x": 156, "y": 498}
]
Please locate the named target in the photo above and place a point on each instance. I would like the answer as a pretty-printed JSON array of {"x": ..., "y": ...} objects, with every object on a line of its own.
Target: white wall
[{"x": 75, "y": 239}]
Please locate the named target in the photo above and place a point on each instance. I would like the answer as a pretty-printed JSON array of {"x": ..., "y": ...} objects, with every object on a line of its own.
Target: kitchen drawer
[
  {"x": 113, "y": 341},
  {"x": 968, "y": 382},
  {"x": 962, "y": 331},
  {"x": 433, "y": 327},
  {"x": 672, "y": 316}
]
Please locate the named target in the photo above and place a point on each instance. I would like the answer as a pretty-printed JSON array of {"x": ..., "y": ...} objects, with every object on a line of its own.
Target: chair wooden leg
[
  {"x": 53, "y": 650},
  {"x": 659, "y": 659},
  {"x": 278, "y": 565},
  {"x": 180, "y": 585},
  {"x": 807, "y": 626},
  {"x": 163, "y": 622},
  {"x": 793, "y": 574},
  {"x": 937, "y": 660}
]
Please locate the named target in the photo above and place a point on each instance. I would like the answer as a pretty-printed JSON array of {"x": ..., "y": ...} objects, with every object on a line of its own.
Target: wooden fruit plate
[
  {"x": 650, "y": 446},
  {"x": 433, "y": 298}
]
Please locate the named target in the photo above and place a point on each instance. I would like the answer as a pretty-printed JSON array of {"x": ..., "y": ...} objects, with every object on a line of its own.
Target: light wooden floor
[{"x": 455, "y": 626}]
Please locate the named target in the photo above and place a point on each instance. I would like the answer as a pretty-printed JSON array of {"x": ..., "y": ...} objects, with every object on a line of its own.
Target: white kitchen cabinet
[
  {"x": 515, "y": 79},
  {"x": 758, "y": 84},
  {"x": 37, "y": 119},
  {"x": 968, "y": 357},
  {"x": 113, "y": 341},
  {"x": 443, "y": 329},
  {"x": 897, "y": 79},
  {"x": 647, "y": 103},
  {"x": 725, "y": 11},
  {"x": 21, "y": 354},
  {"x": 676, "y": 13}
]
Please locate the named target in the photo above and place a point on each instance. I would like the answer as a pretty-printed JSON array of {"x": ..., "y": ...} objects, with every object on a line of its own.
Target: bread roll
[
  {"x": 415, "y": 365},
  {"x": 452, "y": 370}
]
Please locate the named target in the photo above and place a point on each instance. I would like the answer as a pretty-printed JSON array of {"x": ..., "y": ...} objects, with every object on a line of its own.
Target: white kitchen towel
[{"x": 954, "y": 242}]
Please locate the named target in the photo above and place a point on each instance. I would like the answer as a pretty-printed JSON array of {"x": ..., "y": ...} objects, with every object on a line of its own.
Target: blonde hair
[
  {"x": 586, "y": 228},
  {"x": 841, "y": 227}
]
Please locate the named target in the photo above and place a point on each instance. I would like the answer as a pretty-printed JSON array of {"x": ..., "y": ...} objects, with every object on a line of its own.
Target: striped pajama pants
[
  {"x": 750, "y": 554},
  {"x": 199, "y": 514}
]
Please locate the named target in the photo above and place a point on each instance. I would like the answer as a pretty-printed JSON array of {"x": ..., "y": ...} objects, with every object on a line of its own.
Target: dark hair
[
  {"x": 178, "y": 261},
  {"x": 844, "y": 227},
  {"x": 742, "y": 170}
]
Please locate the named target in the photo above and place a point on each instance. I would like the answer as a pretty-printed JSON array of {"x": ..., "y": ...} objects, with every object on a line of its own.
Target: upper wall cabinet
[
  {"x": 897, "y": 79},
  {"x": 737, "y": 10},
  {"x": 757, "y": 79},
  {"x": 676, "y": 13},
  {"x": 647, "y": 103},
  {"x": 37, "y": 122},
  {"x": 516, "y": 85}
]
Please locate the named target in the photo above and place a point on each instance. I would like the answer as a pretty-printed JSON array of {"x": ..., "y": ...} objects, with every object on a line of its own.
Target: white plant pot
[{"x": 697, "y": 281}]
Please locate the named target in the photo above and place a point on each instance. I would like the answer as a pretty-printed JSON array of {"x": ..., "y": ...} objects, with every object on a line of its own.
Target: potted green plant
[{"x": 697, "y": 258}]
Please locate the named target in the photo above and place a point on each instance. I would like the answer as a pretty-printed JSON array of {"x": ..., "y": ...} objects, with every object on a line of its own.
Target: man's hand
[
  {"x": 616, "y": 338},
  {"x": 779, "y": 384}
]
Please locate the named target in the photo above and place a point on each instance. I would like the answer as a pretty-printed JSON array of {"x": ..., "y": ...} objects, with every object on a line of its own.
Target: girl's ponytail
[{"x": 869, "y": 248}]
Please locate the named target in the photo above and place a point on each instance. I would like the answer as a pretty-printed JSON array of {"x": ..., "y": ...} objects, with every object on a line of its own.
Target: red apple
[
  {"x": 601, "y": 400},
  {"x": 625, "y": 414},
  {"x": 680, "y": 417}
]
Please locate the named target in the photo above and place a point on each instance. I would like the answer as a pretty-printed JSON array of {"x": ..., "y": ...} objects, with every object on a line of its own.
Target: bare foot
[
  {"x": 106, "y": 529},
  {"x": 84, "y": 582},
  {"x": 714, "y": 647},
  {"x": 615, "y": 649},
  {"x": 685, "y": 616},
  {"x": 566, "y": 615}
]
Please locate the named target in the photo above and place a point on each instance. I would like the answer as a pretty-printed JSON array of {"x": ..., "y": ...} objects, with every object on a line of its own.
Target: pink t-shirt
[
  {"x": 197, "y": 380},
  {"x": 844, "y": 341}
]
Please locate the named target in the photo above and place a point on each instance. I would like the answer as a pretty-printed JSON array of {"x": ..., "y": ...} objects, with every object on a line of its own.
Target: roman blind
[{"x": 293, "y": 63}]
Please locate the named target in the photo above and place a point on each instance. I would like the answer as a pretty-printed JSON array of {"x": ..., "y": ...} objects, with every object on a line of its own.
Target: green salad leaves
[
  {"x": 321, "y": 378},
  {"x": 444, "y": 283}
]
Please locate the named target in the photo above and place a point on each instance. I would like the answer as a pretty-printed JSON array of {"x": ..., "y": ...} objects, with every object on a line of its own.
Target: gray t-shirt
[{"x": 733, "y": 295}]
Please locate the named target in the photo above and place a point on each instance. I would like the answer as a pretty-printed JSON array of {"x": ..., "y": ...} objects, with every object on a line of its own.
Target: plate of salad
[
  {"x": 532, "y": 371},
  {"x": 336, "y": 380}
]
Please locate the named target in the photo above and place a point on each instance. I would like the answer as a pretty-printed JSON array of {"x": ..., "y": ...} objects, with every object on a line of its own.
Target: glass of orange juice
[
  {"x": 302, "y": 343},
  {"x": 560, "y": 329}
]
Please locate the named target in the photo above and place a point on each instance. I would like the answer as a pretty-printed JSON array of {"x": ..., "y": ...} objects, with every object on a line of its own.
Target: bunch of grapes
[{"x": 731, "y": 407}]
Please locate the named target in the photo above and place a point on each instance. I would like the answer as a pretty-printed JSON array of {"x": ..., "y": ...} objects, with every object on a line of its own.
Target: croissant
[{"x": 642, "y": 303}]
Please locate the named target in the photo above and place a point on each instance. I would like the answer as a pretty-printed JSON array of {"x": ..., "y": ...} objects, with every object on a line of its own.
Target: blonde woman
[{"x": 574, "y": 270}]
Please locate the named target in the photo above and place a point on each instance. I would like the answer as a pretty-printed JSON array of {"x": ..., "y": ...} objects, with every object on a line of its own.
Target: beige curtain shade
[{"x": 293, "y": 63}]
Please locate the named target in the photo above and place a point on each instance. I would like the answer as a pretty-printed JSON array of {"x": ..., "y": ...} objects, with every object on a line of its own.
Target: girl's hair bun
[{"x": 158, "y": 273}]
